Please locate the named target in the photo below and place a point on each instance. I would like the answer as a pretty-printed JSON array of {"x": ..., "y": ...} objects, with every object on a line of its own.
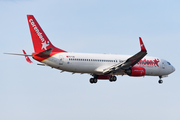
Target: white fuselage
[{"x": 96, "y": 63}]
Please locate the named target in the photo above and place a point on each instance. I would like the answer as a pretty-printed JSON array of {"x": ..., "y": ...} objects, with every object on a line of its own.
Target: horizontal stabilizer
[
  {"x": 27, "y": 58},
  {"x": 17, "y": 54}
]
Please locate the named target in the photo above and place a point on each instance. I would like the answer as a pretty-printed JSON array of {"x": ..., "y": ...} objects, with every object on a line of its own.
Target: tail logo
[
  {"x": 39, "y": 34},
  {"x": 44, "y": 45}
]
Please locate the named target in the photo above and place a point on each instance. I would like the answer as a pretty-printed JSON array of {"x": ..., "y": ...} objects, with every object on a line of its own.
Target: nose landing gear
[{"x": 160, "y": 81}]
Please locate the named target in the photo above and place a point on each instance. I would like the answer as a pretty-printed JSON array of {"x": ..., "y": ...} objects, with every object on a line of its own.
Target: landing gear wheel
[
  {"x": 93, "y": 80},
  {"x": 160, "y": 81},
  {"x": 112, "y": 78}
]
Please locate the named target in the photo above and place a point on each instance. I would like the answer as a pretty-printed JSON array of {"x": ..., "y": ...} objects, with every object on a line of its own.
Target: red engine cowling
[{"x": 136, "y": 71}]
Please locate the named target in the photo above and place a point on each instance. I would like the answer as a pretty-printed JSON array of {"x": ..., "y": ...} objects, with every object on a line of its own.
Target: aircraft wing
[{"x": 129, "y": 62}]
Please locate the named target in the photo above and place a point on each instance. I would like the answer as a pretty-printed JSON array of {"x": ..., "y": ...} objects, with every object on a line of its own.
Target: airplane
[{"x": 99, "y": 66}]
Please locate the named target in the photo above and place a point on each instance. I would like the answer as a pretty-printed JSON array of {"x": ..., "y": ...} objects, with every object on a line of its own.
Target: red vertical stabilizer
[{"x": 39, "y": 38}]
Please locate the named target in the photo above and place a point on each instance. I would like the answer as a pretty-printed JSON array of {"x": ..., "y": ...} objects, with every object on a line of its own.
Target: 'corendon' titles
[
  {"x": 37, "y": 30},
  {"x": 149, "y": 62},
  {"x": 44, "y": 43}
]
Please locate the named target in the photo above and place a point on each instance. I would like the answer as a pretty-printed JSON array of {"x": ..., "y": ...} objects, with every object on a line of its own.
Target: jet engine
[{"x": 136, "y": 71}]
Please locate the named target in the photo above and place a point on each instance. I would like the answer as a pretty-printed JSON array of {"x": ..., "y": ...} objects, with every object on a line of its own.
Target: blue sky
[{"x": 28, "y": 91}]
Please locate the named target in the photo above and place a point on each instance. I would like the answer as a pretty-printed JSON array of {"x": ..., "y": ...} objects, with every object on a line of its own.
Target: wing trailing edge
[
  {"x": 130, "y": 62},
  {"x": 24, "y": 54}
]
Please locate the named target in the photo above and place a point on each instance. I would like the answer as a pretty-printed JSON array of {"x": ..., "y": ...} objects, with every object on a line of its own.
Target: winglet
[
  {"x": 143, "y": 49},
  {"x": 27, "y": 58}
]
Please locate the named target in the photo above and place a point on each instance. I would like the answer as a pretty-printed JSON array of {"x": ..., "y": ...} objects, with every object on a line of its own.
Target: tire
[
  {"x": 95, "y": 80},
  {"x": 111, "y": 78},
  {"x": 160, "y": 81},
  {"x": 114, "y": 78},
  {"x": 91, "y": 80}
]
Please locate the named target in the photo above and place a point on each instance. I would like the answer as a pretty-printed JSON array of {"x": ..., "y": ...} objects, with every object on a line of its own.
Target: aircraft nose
[{"x": 173, "y": 69}]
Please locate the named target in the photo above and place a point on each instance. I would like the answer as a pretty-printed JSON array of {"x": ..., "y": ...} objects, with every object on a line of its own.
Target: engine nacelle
[{"x": 136, "y": 71}]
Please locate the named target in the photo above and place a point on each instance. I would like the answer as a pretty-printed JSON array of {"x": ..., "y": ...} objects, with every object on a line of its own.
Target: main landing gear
[
  {"x": 94, "y": 80},
  {"x": 112, "y": 78},
  {"x": 160, "y": 81}
]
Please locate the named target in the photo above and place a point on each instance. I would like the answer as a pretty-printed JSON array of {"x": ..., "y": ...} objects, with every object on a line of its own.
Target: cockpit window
[{"x": 168, "y": 63}]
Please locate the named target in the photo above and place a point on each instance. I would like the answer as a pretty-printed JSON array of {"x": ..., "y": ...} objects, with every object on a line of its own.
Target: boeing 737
[{"x": 99, "y": 66}]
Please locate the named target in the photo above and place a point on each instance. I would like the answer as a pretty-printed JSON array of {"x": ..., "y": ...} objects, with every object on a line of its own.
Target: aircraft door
[
  {"x": 61, "y": 60},
  {"x": 163, "y": 65}
]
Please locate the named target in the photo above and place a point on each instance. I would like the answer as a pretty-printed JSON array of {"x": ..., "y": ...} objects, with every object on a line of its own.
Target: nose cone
[{"x": 173, "y": 69}]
